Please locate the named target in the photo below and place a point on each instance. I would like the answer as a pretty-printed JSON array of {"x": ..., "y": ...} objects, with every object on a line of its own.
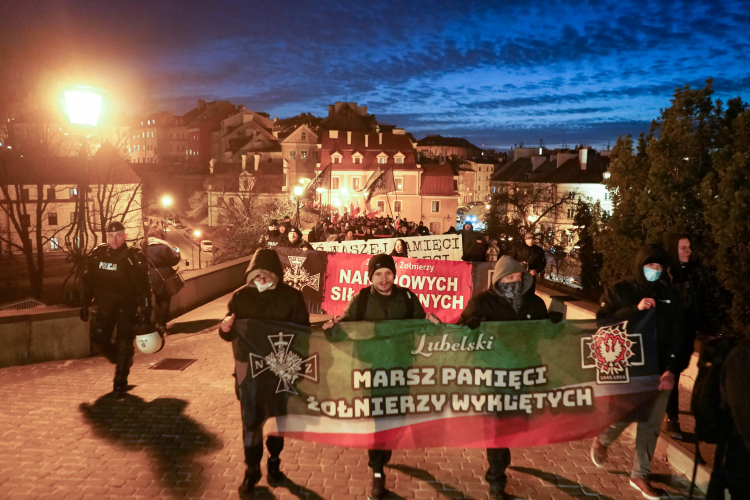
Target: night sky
[{"x": 497, "y": 73}]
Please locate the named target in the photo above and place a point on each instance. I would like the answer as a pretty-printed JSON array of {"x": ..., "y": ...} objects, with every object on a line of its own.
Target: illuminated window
[
  {"x": 303, "y": 154},
  {"x": 435, "y": 206},
  {"x": 355, "y": 183},
  {"x": 399, "y": 183},
  {"x": 54, "y": 244},
  {"x": 381, "y": 161}
]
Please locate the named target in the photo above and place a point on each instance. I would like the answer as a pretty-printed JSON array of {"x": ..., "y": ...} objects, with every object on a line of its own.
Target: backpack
[
  {"x": 705, "y": 405},
  {"x": 364, "y": 294}
]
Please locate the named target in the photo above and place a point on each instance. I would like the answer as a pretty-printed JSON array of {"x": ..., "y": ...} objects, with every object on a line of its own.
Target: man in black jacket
[
  {"x": 531, "y": 256},
  {"x": 116, "y": 278},
  {"x": 422, "y": 230},
  {"x": 383, "y": 300},
  {"x": 272, "y": 236},
  {"x": 469, "y": 241},
  {"x": 510, "y": 298},
  {"x": 265, "y": 296},
  {"x": 645, "y": 289},
  {"x": 689, "y": 280}
]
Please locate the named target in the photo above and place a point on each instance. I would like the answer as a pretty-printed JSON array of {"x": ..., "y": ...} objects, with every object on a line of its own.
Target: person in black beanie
[
  {"x": 383, "y": 300},
  {"x": 265, "y": 296}
]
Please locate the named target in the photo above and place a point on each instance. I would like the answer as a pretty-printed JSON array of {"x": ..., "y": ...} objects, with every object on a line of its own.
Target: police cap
[{"x": 115, "y": 226}]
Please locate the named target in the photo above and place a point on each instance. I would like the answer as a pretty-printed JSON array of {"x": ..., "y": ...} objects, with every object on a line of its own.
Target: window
[
  {"x": 381, "y": 206},
  {"x": 399, "y": 183},
  {"x": 52, "y": 219},
  {"x": 397, "y": 206},
  {"x": 570, "y": 213},
  {"x": 25, "y": 194},
  {"x": 357, "y": 159},
  {"x": 73, "y": 192},
  {"x": 54, "y": 244},
  {"x": 304, "y": 136},
  {"x": 355, "y": 183},
  {"x": 382, "y": 161},
  {"x": 399, "y": 160},
  {"x": 334, "y": 183},
  {"x": 73, "y": 217},
  {"x": 25, "y": 220},
  {"x": 455, "y": 185},
  {"x": 51, "y": 193},
  {"x": 606, "y": 195},
  {"x": 303, "y": 155},
  {"x": 293, "y": 155},
  {"x": 435, "y": 206}
]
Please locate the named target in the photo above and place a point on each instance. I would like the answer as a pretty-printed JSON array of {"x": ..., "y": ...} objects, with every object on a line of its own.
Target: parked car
[
  {"x": 207, "y": 246},
  {"x": 179, "y": 225}
]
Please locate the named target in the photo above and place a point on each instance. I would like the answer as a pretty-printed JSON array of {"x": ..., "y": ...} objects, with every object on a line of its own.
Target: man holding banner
[
  {"x": 382, "y": 301},
  {"x": 264, "y": 297},
  {"x": 510, "y": 298},
  {"x": 645, "y": 290}
]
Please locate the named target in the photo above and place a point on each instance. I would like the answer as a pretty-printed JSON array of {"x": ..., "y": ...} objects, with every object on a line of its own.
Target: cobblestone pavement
[{"x": 177, "y": 435}]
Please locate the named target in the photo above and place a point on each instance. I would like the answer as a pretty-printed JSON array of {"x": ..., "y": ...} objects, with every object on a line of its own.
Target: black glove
[
  {"x": 555, "y": 317},
  {"x": 84, "y": 314},
  {"x": 474, "y": 322}
]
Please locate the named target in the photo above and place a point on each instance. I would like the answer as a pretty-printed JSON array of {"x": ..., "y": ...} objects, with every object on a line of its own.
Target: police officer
[{"x": 116, "y": 279}]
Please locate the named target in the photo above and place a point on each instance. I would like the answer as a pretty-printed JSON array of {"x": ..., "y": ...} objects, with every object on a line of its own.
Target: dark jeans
[
  {"x": 121, "y": 314},
  {"x": 499, "y": 460},
  {"x": 673, "y": 403},
  {"x": 378, "y": 459},
  {"x": 161, "y": 309},
  {"x": 253, "y": 454}
]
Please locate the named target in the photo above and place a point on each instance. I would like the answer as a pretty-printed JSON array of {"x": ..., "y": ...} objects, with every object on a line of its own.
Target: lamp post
[
  {"x": 298, "y": 193},
  {"x": 198, "y": 235},
  {"x": 83, "y": 106},
  {"x": 165, "y": 202}
]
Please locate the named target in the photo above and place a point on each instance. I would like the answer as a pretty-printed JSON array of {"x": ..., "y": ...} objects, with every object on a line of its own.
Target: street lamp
[
  {"x": 165, "y": 202},
  {"x": 197, "y": 235},
  {"x": 83, "y": 106},
  {"x": 298, "y": 193}
]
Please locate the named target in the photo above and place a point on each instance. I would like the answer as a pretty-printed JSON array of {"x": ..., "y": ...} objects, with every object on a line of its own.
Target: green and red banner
[{"x": 412, "y": 384}]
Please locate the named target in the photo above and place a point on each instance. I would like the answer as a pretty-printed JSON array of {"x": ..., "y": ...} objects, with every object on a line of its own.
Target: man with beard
[
  {"x": 272, "y": 236},
  {"x": 116, "y": 279},
  {"x": 382, "y": 300},
  {"x": 510, "y": 298},
  {"x": 643, "y": 290},
  {"x": 265, "y": 296}
]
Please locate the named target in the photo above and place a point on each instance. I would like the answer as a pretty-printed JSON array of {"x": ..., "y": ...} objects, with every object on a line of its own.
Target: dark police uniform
[{"x": 117, "y": 281}]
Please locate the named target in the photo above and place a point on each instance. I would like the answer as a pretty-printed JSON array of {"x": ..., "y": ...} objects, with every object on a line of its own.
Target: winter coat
[
  {"x": 690, "y": 281},
  {"x": 469, "y": 239},
  {"x": 491, "y": 306},
  {"x": 161, "y": 257},
  {"x": 283, "y": 303},
  {"x": 621, "y": 301},
  {"x": 735, "y": 395},
  {"x": 383, "y": 307},
  {"x": 533, "y": 256},
  {"x": 423, "y": 231}
]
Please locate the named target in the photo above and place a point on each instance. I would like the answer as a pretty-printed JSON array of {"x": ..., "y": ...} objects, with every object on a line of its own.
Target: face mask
[
  {"x": 651, "y": 274},
  {"x": 262, "y": 287},
  {"x": 509, "y": 290}
]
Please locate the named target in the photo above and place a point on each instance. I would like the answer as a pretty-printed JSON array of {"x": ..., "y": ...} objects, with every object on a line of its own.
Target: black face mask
[{"x": 509, "y": 290}]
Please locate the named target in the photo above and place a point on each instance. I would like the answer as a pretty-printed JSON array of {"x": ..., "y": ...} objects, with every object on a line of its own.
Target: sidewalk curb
[{"x": 679, "y": 458}]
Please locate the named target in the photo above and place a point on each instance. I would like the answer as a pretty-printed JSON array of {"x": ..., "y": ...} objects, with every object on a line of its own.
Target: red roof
[
  {"x": 392, "y": 144},
  {"x": 437, "y": 180}
]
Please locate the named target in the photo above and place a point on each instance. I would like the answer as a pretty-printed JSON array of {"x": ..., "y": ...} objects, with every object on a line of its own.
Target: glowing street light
[
  {"x": 165, "y": 202},
  {"x": 83, "y": 105},
  {"x": 298, "y": 190}
]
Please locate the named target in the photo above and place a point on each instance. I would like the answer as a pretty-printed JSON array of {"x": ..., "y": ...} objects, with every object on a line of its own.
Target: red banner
[{"x": 444, "y": 287}]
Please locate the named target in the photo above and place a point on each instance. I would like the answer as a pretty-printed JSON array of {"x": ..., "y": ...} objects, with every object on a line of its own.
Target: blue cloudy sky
[{"x": 497, "y": 73}]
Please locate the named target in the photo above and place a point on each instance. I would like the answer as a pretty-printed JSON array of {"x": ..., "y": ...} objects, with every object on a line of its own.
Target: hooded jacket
[
  {"x": 161, "y": 257},
  {"x": 690, "y": 281},
  {"x": 621, "y": 300},
  {"x": 281, "y": 303},
  {"x": 491, "y": 306}
]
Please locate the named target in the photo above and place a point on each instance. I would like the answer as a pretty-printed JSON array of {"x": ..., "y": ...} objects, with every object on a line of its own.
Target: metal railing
[{"x": 22, "y": 304}]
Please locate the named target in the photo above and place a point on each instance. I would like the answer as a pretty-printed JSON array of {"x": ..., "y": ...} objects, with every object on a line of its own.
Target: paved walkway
[{"x": 177, "y": 435}]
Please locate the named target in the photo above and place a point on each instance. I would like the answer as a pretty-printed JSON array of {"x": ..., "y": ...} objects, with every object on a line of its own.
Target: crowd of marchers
[
  {"x": 663, "y": 278},
  {"x": 127, "y": 282}
]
